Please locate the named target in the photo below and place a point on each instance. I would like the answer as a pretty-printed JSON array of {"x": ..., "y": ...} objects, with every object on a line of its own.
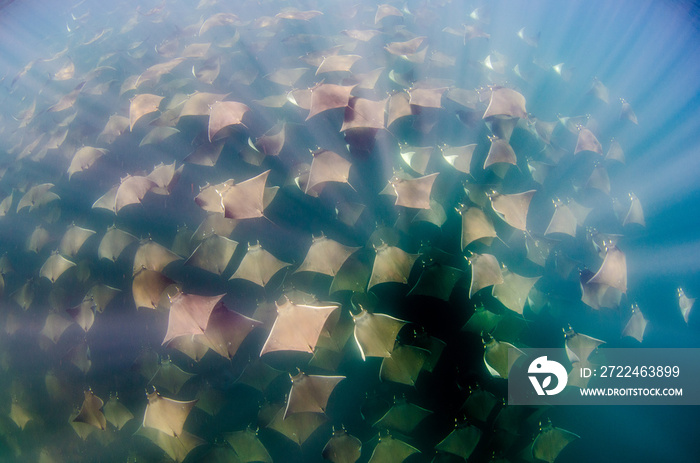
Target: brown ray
[
  {"x": 403, "y": 365},
  {"x": 190, "y": 346},
  {"x": 613, "y": 270},
  {"x": 563, "y": 221},
  {"x": 391, "y": 264},
  {"x": 337, "y": 63},
  {"x": 461, "y": 441},
  {"x": 55, "y": 266},
  {"x": 166, "y": 415},
  {"x": 497, "y": 359},
  {"x": 113, "y": 243},
  {"x": 147, "y": 287},
  {"x": 286, "y": 76},
  {"x": 514, "y": 290},
  {"x": 361, "y": 113},
  {"x": 325, "y": 256},
  {"x": 226, "y": 331},
  {"x": 101, "y": 295},
  {"x": 375, "y": 334},
  {"x": 258, "y": 266},
  {"x": 157, "y": 135},
  {"x": 408, "y": 47},
  {"x": 151, "y": 255},
  {"x": 426, "y": 97},
  {"x": 297, "y": 327},
  {"x": 155, "y": 72},
  {"x": 208, "y": 71},
  {"x": 297, "y": 427},
  {"x": 73, "y": 239},
  {"x": 310, "y": 393},
  {"x": 413, "y": 193},
  {"x": 272, "y": 141},
  {"x": 402, "y": 417},
  {"x": 177, "y": 448},
  {"x": 327, "y": 166},
  {"x": 214, "y": 224},
  {"x": 116, "y": 413},
  {"x": 245, "y": 200},
  {"x": 587, "y": 142},
  {"x": 34, "y": 196},
  {"x": 579, "y": 346},
  {"x": 328, "y": 96},
  {"x": 54, "y": 327},
  {"x": 131, "y": 190},
  {"x": 90, "y": 412},
  {"x": 512, "y": 208},
  {"x": 140, "y": 105},
  {"x": 385, "y": 10},
  {"x": 68, "y": 100},
  {"x": 213, "y": 254},
  {"x": 83, "y": 314},
  {"x": 247, "y": 446},
  {"x": 636, "y": 325},
  {"x": 106, "y": 201},
  {"x": 390, "y": 450},
  {"x": 486, "y": 271},
  {"x": 170, "y": 376},
  {"x": 459, "y": 157},
  {"x": 84, "y": 158},
  {"x": 634, "y": 214},
  {"x": 217, "y": 20},
  {"x": 550, "y": 442},
  {"x": 500, "y": 152},
  {"x": 189, "y": 314},
  {"x": 225, "y": 114},
  {"x": 342, "y": 447},
  {"x": 165, "y": 176},
  {"x": 506, "y": 102},
  {"x": 476, "y": 226},
  {"x": 398, "y": 107},
  {"x": 206, "y": 154}
]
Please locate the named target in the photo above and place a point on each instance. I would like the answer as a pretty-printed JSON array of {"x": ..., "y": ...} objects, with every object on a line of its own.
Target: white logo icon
[{"x": 543, "y": 366}]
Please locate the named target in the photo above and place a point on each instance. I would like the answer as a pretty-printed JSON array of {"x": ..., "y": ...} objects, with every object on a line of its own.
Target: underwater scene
[{"x": 305, "y": 231}]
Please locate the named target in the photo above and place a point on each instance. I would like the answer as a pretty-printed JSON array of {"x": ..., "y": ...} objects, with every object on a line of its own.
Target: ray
[
  {"x": 84, "y": 158},
  {"x": 496, "y": 358},
  {"x": 416, "y": 157},
  {"x": 79, "y": 356},
  {"x": 190, "y": 346},
  {"x": 73, "y": 239},
  {"x": 362, "y": 113},
  {"x": 626, "y": 112},
  {"x": 218, "y": 20},
  {"x": 327, "y": 166},
  {"x": 598, "y": 295},
  {"x": 113, "y": 129},
  {"x": 337, "y": 63},
  {"x": 390, "y": 450},
  {"x": 459, "y": 157},
  {"x": 426, "y": 97},
  {"x": 213, "y": 254},
  {"x": 375, "y": 334},
  {"x": 189, "y": 314},
  {"x": 342, "y": 447},
  {"x": 479, "y": 404},
  {"x": 116, "y": 413},
  {"x": 461, "y": 441},
  {"x": 634, "y": 214},
  {"x": 310, "y": 393},
  {"x": 131, "y": 190},
  {"x": 214, "y": 224},
  {"x": 297, "y": 427},
  {"x": 206, "y": 154},
  {"x": 155, "y": 72},
  {"x": 106, "y": 201},
  {"x": 413, "y": 193},
  {"x": 226, "y": 330},
  {"x": 563, "y": 221},
  {"x": 579, "y": 347},
  {"x": 54, "y": 327},
  {"x": 147, "y": 287},
  {"x": 512, "y": 208},
  {"x": 140, "y": 105},
  {"x": 402, "y": 417},
  {"x": 90, "y": 412},
  {"x": 176, "y": 447},
  {"x": 685, "y": 303},
  {"x": 403, "y": 365},
  {"x": 550, "y": 442},
  {"x": 476, "y": 226},
  {"x": 55, "y": 266},
  {"x": 297, "y": 327},
  {"x": 258, "y": 375},
  {"x": 328, "y": 96},
  {"x": 587, "y": 142},
  {"x": 272, "y": 141},
  {"x": 208, "y": 71},
  {"x": 436, "y": 280},
  {"x": 165, "y": 176},
  {"x": 258, "y": 266},
  {"x": 505, "y": 102},
  {"x": 500, "y": 152},
  {"x": 486, "y": 271},
  {"x": 157, "y": 135},
  {"x": 391, "y": 264},
  {"x": 68, "y": 100},
  {"x": 152, "y": 256},
  {"x": 113, "y": 243},
  {"x": 224, "y": 114},
  {"x": 245, "y": 200},
  {"x": 34, "y": 196},
  {"x": 513, "y": 292},
  {"x": 247, "y": 446},
  {"x": 170, "y": 376},
  {"x": 325, "y": 256},
  {"x": 83, "y": 314},
  {"x": 613, "y": 270},
  {"x": 636, "y": 325}
]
